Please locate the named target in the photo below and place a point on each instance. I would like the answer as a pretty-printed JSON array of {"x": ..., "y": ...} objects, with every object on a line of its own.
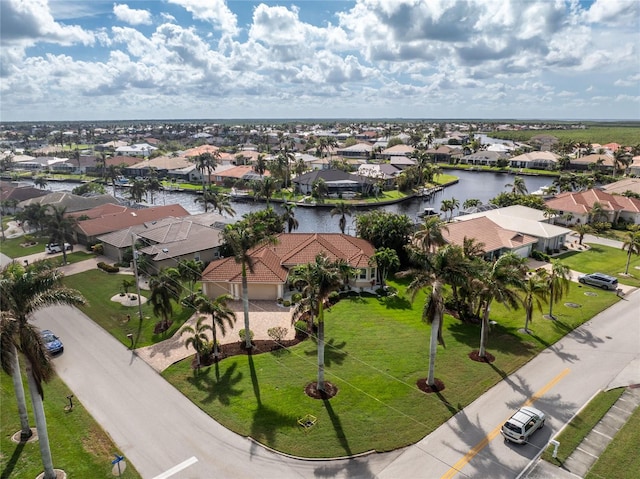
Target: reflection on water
[{"x": 472, "y": 185}]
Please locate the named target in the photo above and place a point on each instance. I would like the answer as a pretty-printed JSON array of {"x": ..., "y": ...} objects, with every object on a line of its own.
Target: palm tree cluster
[
  {"x": 24, "y": 291},
  {"x": 474, "y": 284}
]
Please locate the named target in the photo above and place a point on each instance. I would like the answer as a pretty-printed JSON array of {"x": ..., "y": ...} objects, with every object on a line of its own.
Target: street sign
[{"x": 117, "y": 459}]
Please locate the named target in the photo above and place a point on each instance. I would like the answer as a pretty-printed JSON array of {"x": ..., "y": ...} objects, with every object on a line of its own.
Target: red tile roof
[
  {"x": 485, "y": 231},
  {"x": 272, "y": 262},
  {"x": 127, "y": 218},
  {"x": 581, "y": 202}
]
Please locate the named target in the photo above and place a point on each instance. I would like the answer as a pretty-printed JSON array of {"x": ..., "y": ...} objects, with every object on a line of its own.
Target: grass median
[
  {"x": 377, "y": 348},
  {"x": 79, "y": 446}
]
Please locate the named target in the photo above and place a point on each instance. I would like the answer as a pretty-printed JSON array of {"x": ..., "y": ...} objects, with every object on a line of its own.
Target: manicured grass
[
  {"x": 376, "y": 351},
  {"x": 581, "y": 425},
  {"x": 98, "y": 287},
  {"x": 621, "y": 459},
  {"x": 604, "y": 259},
  {"x": 78, "y": 445},
  {"x": 11, "y": 247}
]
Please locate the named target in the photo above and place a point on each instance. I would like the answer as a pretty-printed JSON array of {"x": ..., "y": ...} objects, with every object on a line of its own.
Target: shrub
[
  {"x": 540, "y": 256},
  {"x": 296, "y": 297},
  {"x": 333, "y": 297},
  {"x": 286, "y": 303},
  {"x": 242, "y": 335},
  {"x": 280, "y": 300},
  {"x": 301, "y": 329},
  {"x": 107, "y": 267},
  {"x": 278, "y": 333}
]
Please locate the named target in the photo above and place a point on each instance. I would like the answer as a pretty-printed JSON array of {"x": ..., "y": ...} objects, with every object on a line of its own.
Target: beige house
[
  {"x": 575, "y": 207},
  {"x": 271, "y": 264}
]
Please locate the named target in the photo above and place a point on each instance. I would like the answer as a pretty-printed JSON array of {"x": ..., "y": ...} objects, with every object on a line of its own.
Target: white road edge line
[{"x": 177, "y": 468}]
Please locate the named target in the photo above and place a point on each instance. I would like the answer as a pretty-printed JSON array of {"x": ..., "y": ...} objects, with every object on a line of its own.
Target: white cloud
[
  {"x": 215, "y": 12},
  {"x": 131, "y": 16}
]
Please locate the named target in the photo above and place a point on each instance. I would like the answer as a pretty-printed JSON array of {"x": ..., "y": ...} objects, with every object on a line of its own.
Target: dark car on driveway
[{"x": 52, "y": 342}]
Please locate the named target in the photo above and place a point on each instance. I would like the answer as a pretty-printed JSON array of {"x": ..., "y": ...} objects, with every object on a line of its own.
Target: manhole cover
[
  {"x": 590, "y": 293},
  {"x": 573, "y": 305}
]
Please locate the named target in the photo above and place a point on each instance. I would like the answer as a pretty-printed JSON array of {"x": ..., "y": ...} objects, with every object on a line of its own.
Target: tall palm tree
[
  {"x": 289, "y": 217},
  {"x": 444, "y": 266},
  {"x": 632, "y": 245},
  {"x": 558, "y": 282},
  {"x": 190, "y": 271},
  {"x": 518, "y": 187},
  {"x": 319, "y": 190},
  {"x": 205, "y": 164},
  {"x": 60, "y": 228},
  {"x": 165, "y": 286},
  {"x": 534, "y": 290},
  {"x": 40, "y": 182},
  {"x": 597, "y": 212},
  {"x": 198, "y": 338},
  {"x": 268, "y": 186},
  {"x": 221, "y": 316},
  {"x": 343, "y": 210},
  {"x": 450, "y": 206},
  {"x": 319, "y": 278},
  {"x": 386, "y": 261},
  {"x": 582, "y": 229},
  {"x": 471, "y": 203},
  {"x": 111, "y": 174},
  {"x": 23, "y": 291},
  {"x": 498, "y": 283},
  {"x": 152, "y": 184},
  {"x": 240, "y": 239}
]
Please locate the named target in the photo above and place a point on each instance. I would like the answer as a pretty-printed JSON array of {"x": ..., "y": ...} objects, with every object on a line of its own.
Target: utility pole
[{"x": 135, "y": 272}]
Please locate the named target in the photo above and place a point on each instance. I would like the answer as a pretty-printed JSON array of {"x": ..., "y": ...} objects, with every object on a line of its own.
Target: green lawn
[
  {"x": 377, "y": 350},
  {"x": 13, "y": 249},
  {"x": 98, "y": 287},
  {"x": 604, "y": 259},
  {"x": 78, "y": 445},
  {"x": 581, "y": 425},
  {"x": 621, "y": 459}
]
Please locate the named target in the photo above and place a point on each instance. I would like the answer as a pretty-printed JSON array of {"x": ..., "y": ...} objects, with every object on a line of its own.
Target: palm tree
[
  {"x": 632, "y": 245},
  {"x": 220, "y": 202},
  {"x": 221, "y": 316},
  {"x": 164, "y": 287},
  {"x": 206, "y": 163},
  {"x": 582, "y": 229},
  {"x": 319, "y": 278},
  {"x": 190, "y": 271},
  {"x": 112, "y": 173},
  {"x": 471, "y": 203},
  {"x": 429, "y": 234},
  {"x": 344, "y": 210},
  {"x": 268, "y": 186},
  {"x": 518, "y": 187},
  {"x": 497, "y": 283},
  {"x": 557, "y": 283},
  {"x": 23, "y": 291},
  {"x": 450, "y": 206},
  {"x": 152, "y": 184},
  {"x": 446, "y": 265},
  {"x": 289, "y": 217},
  {"x": 137, "y": 190},
  {"x": 60, "y": 228},
  {"x": 319, "y": 190},
  {"x": 240, "y": 239},
  {"x": 198, "y": 338},
  {"x": 534, "y": 290},
  {"x": 597, "y": 212},
  {"x": 261, "y": 165},
  {"x": 40, "y": 182},
  {"x": 386, "y": 261}
]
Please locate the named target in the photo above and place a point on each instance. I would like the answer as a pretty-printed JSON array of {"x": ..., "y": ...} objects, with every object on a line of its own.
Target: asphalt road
[{"x": 164, "y": 435}]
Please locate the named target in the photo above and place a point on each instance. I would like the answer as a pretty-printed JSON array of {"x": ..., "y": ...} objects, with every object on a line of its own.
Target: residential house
[
  {"x": 537, "y": 160},
  {"x": 139, "y": 149},
  {"x": 622, "y": 186},
  {"x": 272, "y": 263},
  {"x": 383, "y": 171},
  {"x": 529, "y": 221},
  {"x": 495, "y": 239},
  {"x": 72, "y": 203},
  {"x": 401, "y": 162},
  {"x": 601, "y": 161},
  {"x": 87, "y": 231},
  {"x": 575, "y": 207},
  {"x": 12, "y": 195},
  {"x": 397, "y": 150},
  {"x": 338, "y": 182},
  {"x": 483, "y": 158},
  {"x": 166, "y": 241},
  {"x": 359, "y": 150},
  {"x": 445, "y": 153}
]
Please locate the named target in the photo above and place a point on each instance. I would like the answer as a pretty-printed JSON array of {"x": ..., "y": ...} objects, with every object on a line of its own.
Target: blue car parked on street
[{"x": 52, "y": 342}]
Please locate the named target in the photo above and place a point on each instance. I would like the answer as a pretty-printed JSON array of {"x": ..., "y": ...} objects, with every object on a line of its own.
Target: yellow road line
[{"x": 489, "y": 437}]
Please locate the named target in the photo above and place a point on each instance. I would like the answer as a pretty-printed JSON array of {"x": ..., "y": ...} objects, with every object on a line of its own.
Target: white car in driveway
[
  {"x": 522, "y": 425},
  {"x": 51, "y": 248}
]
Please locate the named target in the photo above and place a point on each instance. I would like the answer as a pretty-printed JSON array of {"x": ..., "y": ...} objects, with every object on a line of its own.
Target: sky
[{"x": 67, "y": 60}]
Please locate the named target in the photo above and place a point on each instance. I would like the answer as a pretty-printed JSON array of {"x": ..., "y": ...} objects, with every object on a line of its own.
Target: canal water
[{"x": 471, "y": 185}]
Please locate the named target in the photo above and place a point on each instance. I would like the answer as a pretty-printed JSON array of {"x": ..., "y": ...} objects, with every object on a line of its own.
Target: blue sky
[{"x": 208, "y": 59}]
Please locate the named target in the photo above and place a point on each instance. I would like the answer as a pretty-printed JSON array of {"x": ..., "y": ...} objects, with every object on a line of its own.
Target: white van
[{"x": 55, "y": 248}]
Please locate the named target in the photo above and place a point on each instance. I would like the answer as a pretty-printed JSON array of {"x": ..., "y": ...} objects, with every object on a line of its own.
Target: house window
[
  {"x": 373, "y": 273},
  {"x": 196, "y": 256},
  {"x": 363, "y": 273}
]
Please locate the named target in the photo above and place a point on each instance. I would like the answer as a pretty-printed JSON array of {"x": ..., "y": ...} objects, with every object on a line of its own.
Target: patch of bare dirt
[
  {"x": 238, "y": 348},
  {"x": 475, "y": 356},
  {"x": 313, "y": 392}
]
